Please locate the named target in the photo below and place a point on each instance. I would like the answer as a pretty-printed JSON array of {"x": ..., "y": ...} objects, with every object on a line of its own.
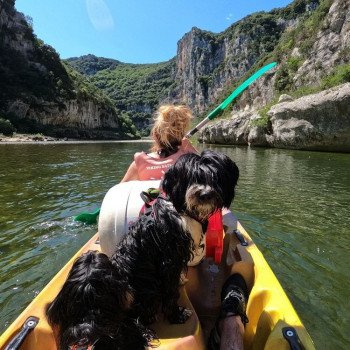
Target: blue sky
[{"x": 132, "y": 31}]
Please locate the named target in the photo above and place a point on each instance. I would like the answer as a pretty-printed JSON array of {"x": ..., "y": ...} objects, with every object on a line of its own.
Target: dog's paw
[{"x": 181, "y": 316}]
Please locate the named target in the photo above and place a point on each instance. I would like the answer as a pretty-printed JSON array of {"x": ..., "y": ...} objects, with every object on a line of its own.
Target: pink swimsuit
[{"x": 150, "y": 168}]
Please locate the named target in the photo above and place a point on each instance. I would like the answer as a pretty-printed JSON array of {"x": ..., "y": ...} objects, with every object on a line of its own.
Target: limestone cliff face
[
  {"x": 36, "y": 86},
  {"x": 331, "y": 47},
  {"x": 316, "y": 58},
  {"x": 71, "y": 113},
  {"x": 15, "y": 23},
  {"x": 208, "y": 64},
  {"x": 315, "y": 122}
]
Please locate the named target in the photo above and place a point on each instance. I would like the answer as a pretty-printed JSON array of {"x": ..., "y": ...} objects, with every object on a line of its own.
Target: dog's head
[
  {"x": 198, "y": 185},
  {"x": 91, "y": 304}
]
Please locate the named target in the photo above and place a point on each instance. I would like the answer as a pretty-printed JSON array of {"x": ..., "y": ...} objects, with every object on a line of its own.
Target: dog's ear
[
  {"x": 179, "y": 177},
  {"x": 83, "y": 334}
]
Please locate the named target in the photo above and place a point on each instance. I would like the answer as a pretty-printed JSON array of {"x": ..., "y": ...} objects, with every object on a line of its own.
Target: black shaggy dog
[
  {"x": 152, "y": 255},
  {"x": 198, "y": 185},
  {"x": 107, "y": 304},
  {"x": 90, "y": 311},
  {"x": 149, "y": 260}
]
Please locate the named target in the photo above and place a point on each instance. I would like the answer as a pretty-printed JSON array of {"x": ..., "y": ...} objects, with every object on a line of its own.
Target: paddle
[
  {"x": 219, "y": 109},
  {"x": 88, "y": 218},
  {"x": 91, "y": 218}
]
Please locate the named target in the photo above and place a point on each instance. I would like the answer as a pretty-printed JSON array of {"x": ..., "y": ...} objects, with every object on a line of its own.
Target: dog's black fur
[
  {"x": 150, "y": 259},
  {"x": 102, "y": 299},
  {"x": 91, "y": 308},
  {"x": 196, "y": 181}
]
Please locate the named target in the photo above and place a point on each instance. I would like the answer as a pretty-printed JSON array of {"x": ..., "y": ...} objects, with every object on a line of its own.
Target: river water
[{"x": 294, "y": 204}]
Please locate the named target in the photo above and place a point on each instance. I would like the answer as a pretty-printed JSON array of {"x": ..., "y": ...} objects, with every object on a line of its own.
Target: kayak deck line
[{"x": 269, "y": 309}]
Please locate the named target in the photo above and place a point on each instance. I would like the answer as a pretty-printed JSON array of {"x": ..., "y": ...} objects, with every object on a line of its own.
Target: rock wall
[
  {"x": 315, "y": 122},
  {"x": 61, "y": 106},
  {"x": 208, "y": 64},
  {"x": 331, "y": 47},
  {"x": 71, "y": 113},
  {"x": 205, "y": 65},
  {"x": 15, "y": 33}
]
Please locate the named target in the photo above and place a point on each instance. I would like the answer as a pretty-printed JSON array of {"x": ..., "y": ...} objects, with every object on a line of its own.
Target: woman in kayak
[{"x": 169, "y": 143}]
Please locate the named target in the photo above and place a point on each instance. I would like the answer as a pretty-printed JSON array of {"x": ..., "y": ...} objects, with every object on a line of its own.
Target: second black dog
[{"x": 149, "y": 261}]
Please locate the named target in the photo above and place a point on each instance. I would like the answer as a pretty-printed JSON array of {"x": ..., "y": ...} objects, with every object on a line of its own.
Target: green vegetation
[
  {"x": 264, "y": 119},
  {"x": 131, "y": 85},
  {"x": 304, "y": 34},
  {"x": 37, "y": 74},
  {"x": 283, "y": 80},
  {"x": 90, "y": 64},
  {"x": 6, "y": 127},
  {"x": 339, "y": 75},
  {"x": 85, "y": 90},
  {"x": 135, "y": 89}
]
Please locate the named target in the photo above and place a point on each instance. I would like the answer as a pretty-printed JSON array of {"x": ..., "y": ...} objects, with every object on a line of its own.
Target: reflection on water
[{"x": 294, "y": 204}]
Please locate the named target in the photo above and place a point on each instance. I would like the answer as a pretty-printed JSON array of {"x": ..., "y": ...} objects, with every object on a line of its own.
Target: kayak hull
[{"x": 268, "y": 309}]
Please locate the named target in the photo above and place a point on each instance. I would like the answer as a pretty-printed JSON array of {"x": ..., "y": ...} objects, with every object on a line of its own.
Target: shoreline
[{"x": 30, "y": 139}]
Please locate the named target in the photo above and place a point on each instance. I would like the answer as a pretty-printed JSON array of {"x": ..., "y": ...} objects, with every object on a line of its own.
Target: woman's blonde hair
[{"x": 170, "y": 126}]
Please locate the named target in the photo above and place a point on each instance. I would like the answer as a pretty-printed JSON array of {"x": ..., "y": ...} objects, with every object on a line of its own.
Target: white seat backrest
[{"x": 121, "y": 205}]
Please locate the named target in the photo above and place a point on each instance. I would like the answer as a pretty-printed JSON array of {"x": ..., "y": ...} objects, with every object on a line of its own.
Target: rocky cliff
[
  {"x": 315, "y": 122},
  {"x": 330, "y": 47},
  {"x": 208, "y": 64},
  {"x": 313, "y": 56},
  {"x": 309, "y": 39},
  {"x": 39, "y": 93}
]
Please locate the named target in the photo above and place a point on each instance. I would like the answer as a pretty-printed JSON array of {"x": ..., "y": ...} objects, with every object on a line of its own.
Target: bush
[
  {"x": 6, "y": 127},
  {"x": 294, "y": 63},
  {"x": 339, "y": 75},
  {"x": 283, "y": 80}
]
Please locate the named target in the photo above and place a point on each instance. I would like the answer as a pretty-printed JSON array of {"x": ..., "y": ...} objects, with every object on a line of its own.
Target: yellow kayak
[{"x": 270, "y": 313}]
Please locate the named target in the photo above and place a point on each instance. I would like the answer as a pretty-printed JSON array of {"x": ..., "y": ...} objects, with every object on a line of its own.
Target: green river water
[{"x": 294, "y": 204}]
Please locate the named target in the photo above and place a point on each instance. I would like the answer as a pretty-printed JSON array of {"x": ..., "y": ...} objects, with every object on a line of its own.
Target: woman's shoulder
[
  {"x": 186, "y": 146},
  {"x": 139, "y": 155}
]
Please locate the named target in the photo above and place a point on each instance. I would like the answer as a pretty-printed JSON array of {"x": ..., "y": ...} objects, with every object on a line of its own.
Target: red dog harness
[{"x": 214, "y": 233}]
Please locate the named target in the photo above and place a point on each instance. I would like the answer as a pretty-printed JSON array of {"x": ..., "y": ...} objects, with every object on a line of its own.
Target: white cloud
[
  {"x": 229, "y": 17},
  {"x": 99, "y": 14}
]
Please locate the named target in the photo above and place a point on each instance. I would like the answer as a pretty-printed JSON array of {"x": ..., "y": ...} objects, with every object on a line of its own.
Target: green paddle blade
[
  {"x": 218, "y": 110},
  {"x": 88, "y": 218},
  {"x": 245, "y": 84}
]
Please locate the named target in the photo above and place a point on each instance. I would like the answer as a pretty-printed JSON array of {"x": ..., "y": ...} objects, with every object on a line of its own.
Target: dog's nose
[
  {"x": 206, "y": 193},
  {"x": 197, "y": 194}
]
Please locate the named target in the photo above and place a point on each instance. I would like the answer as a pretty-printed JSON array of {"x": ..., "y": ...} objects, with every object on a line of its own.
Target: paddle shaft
[{"x": 219, "y": 109}]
